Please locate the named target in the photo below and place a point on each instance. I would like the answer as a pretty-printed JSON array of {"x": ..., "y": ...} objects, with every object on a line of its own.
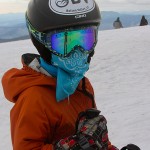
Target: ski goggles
[{"x": 62, "y": 42}]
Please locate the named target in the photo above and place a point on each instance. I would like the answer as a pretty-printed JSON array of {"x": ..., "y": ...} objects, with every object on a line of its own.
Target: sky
[{"x": 12, "y": 6}]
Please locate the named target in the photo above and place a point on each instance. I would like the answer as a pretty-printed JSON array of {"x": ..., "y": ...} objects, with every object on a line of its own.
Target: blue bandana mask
[{"x": 69, "y": 71}]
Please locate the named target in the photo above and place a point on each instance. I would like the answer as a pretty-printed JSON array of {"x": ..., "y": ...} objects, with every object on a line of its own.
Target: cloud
[
  {"x": 12, "y": 7},
  {"x": 13, "y": 1},
  {"x": 23, "y": 0},
  {"x": 124, "y": 5},
  {"x": 107, "y": 5},
  {"x": 127, "y": 1},
  {"x": 114, "y": 1},
  {"x": 139, "y": 2}
]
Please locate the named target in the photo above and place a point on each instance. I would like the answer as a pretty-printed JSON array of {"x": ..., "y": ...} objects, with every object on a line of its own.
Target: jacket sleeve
[{"x": 29, "y": 124}]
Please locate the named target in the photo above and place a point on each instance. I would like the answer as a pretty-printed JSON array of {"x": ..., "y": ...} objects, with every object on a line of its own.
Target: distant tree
[
  {"x": 117, "y": 23},
  {"x": 143, "y": 21}
]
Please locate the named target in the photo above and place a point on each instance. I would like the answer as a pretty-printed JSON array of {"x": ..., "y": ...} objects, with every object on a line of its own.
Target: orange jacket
[{"x": 37, "y": 120}]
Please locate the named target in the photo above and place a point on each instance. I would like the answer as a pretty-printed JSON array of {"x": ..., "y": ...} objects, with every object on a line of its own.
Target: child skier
[{"x": 54, "y": 103}]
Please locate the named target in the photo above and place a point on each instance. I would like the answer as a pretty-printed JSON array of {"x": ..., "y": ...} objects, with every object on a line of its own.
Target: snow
[{"x": 120, "y": 74}]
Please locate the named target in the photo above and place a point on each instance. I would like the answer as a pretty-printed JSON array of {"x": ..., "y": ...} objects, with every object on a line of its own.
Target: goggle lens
[
  {"x": 64, "y": 42},
  {"x": 57, "y": 42}
]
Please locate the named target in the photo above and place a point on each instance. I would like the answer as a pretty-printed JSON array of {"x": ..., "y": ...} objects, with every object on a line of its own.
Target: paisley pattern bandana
[{"x": 70, "y": 70}]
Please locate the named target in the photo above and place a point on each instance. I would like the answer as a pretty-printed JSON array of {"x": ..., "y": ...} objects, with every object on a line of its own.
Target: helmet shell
[{"x": 54, "y": 14}]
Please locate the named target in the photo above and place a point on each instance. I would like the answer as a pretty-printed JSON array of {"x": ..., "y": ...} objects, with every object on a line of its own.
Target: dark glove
[
  {"x": 91, "y": 133},
  {"x": 131, "y": 147}
]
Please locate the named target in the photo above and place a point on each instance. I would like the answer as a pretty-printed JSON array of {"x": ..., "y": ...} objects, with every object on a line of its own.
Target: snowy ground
[{"x": 120, "y": 73}]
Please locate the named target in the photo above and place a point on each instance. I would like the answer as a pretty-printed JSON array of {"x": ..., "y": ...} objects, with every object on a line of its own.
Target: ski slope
[{"x": 120, "y": 74}]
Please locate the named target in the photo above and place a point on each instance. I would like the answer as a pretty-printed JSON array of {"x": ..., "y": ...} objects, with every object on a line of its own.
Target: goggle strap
[{"x": 40, "y": 36}]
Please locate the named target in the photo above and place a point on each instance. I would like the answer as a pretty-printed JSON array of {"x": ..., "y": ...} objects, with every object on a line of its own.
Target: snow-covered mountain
[
  {"x": 13, "y": 27},
  {"x": 120, "y": 74}
]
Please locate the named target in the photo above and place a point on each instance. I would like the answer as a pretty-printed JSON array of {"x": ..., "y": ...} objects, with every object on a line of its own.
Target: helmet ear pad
[{"x": 43, "y": 51}]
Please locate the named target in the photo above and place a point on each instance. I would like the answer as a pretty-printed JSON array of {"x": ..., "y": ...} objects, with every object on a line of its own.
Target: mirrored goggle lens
[{"x": 64, "y": 42}]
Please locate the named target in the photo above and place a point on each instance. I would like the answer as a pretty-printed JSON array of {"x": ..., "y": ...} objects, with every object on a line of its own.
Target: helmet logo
[
  {"x": 62, "y": 3},
  {"x": 71, "y": 7}
]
